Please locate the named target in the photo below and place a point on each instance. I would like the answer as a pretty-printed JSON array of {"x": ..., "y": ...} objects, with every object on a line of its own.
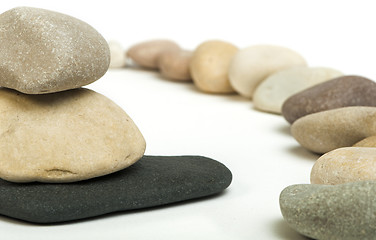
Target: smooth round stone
[
  {"x": 367, "y": 142},
  {"x": 152, "y": 181},
  {"x": 252, "y": 65},
  {"x": 146, "y": 53},
  {"x": 326, "y": 212},
  {"x": 43, "y": 51},
  {"x": 270, "y": 95},
  {"x": 118, "y": 59},
  {"x": 350, "y": 164},
  {"x": 175, "y": 65},
  {"x": 328, "y": 130},
  {"x": 64, "y": 137},
  {"x": 209, "y": 66},
  {"x": 336, "y": 93}
]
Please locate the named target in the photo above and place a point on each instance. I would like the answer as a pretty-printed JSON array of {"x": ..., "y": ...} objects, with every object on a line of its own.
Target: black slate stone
[{"x": 152, "y": 181}]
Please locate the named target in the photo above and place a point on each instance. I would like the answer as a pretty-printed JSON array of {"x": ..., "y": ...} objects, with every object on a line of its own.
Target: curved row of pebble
[
  {"x": 83, "y": 150},
  {"x": 329, "y": 112}
]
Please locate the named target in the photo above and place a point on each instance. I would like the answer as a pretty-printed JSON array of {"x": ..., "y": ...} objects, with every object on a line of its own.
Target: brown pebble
[
  {"x": 367, "y": 142},
  {"x": 175, "y": 64}
]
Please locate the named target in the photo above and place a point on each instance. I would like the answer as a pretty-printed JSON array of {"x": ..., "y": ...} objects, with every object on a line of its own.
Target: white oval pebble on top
[
  {"x": 270, "y": 95},
  {"x": 43, "y": 51},
  {"x": 252, "y": 65}
]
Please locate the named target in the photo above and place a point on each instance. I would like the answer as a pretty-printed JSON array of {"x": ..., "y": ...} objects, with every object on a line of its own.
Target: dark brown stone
[{"x": 336, "y": 93}]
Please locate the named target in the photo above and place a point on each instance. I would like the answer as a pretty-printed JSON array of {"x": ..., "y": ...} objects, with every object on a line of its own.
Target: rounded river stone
[
  {"x": 367, "y": 142},
  {"x": 342, "y": 165},
  {"x": 252, "y": 65},
  {"x": 336, "y": 93},
  {"x": 175, "y": 64},
  {"x": 152, "y": 181},
  {"x": 43, "y": 51},
  {"x": 275, "y": 89},
  {"x": 342, "y": 127},
  {"x": 331, "y": 212},
  {"x": 64, "y": 137}
]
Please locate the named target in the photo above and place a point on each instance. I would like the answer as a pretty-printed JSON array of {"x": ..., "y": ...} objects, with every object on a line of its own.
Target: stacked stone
[{"x": 58, "y": 134}]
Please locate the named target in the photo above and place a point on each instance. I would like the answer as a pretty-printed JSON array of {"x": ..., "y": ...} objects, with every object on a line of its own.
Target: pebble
[
  {"x": 336, "y": 93},
  {"x": 43, "y": 51},
  {"x": 367, "y": 142},
  {"x": 152, "y": 181},
  {"x": 328, "y": 130},
  {"x": 252, "y": 65},
  {"x": 118, "y": 59},
  {"x": 64, "y": 137},
  {"x": 209, "y": 66},
  {"x": 146, "y": 54},
  {"x": 271, "y": 93},
  {"x": 326, "y": 212},
  {"x": 175, "y": 65},
  {"x": 349, "y": 164}
]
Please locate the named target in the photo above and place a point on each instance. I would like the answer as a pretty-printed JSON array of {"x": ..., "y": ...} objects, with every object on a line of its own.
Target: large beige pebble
[
  {"x": 209, "y": 66},
  {"x": 64, "y": 137},
  {"x": 43, "y": 51},
  {"x": 270, "y": 95},
  {"x": 328, "y": 130},
  {"x": 118, "y": 59},
  {"x": 175, "y": 64},
  {"x": 367, "y": 142},
  {"x": 146, "y": 53},
  {"x": 349, "y": 164},
  {"x": 252, "y": 65}
]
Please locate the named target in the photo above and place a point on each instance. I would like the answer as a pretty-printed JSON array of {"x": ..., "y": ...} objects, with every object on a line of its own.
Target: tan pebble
[
  {"x": 328, "y": 130},
  {"x": 118, "y": 59},
  {"x": 209, "y": 66},
  {"x": 64, "y": 137},
  {"x": 349, "y": 164},
  {"x": 175, "y": 64},
  {"x": 146, "y": 54},
  {"x": 252, "y": 65},
  {"x": 367, "y": 142}
]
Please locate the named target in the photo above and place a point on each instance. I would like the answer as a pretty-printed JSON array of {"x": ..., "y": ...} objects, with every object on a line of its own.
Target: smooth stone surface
[
  {"x": 325, "y": 212},
  {"x": 43, "y": 51},
  {"x": 367, "y": 142},
  {"x": 153, "y": 181},
  {"x": 336, "y": 93},
  {"x": 209, "y": 66},
  {"x": 64, "y": 137},
  {"x": 118, "y": 59},
  {"x": 350, "y": 164},
  {"x": 270, "y": 95},
  {"x": 342, "y": 127},
  {"x": 175, "y": 65},
  {"x": 146, "y": 53},
  {"x": 252, "y": 65}
]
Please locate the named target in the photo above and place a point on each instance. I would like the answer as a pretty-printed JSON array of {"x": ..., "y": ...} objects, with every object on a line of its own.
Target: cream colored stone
[
  {"x": 349, "y": 164},
  {"x": 64, "y": 137},
  {"x": 328, "y": 130},
  {"x": 252, "y": 65},
  {"x": 118, "y": 59},
  {"x": 367, "y": 142},
  {"x": 43, "y": 51},
  {"x": 270, "y": 95},
  {"x": 209, "y": 66},
  {"x": 175, "y": 64},
  {"x": 146, "y": 53}
]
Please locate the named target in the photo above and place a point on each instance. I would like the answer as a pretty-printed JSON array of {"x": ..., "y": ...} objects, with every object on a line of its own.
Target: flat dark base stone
[{"x": 152, "y": 181}]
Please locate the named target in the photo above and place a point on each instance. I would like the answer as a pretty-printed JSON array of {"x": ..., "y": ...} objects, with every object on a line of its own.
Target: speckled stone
[
  {"x": 174, "y": 65},
  {"x": 275, "y": 89},
  {"x": 145, "y": 54},
  {"x": 339, "y": 92},
  {"x": 325, "y": 212},
  {"x": 64, "y": 137},
  {"x": 367, "y": 142},
  {"x": 152, "y": 181},
  {"x": 342, "y": 127},
  {"x": 43, "y": 51},
  {"x": 342, "y": 165}
]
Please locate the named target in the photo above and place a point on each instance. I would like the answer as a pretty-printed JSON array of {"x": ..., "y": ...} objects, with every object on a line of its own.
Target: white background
[{"x": 176, "y": 119}]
